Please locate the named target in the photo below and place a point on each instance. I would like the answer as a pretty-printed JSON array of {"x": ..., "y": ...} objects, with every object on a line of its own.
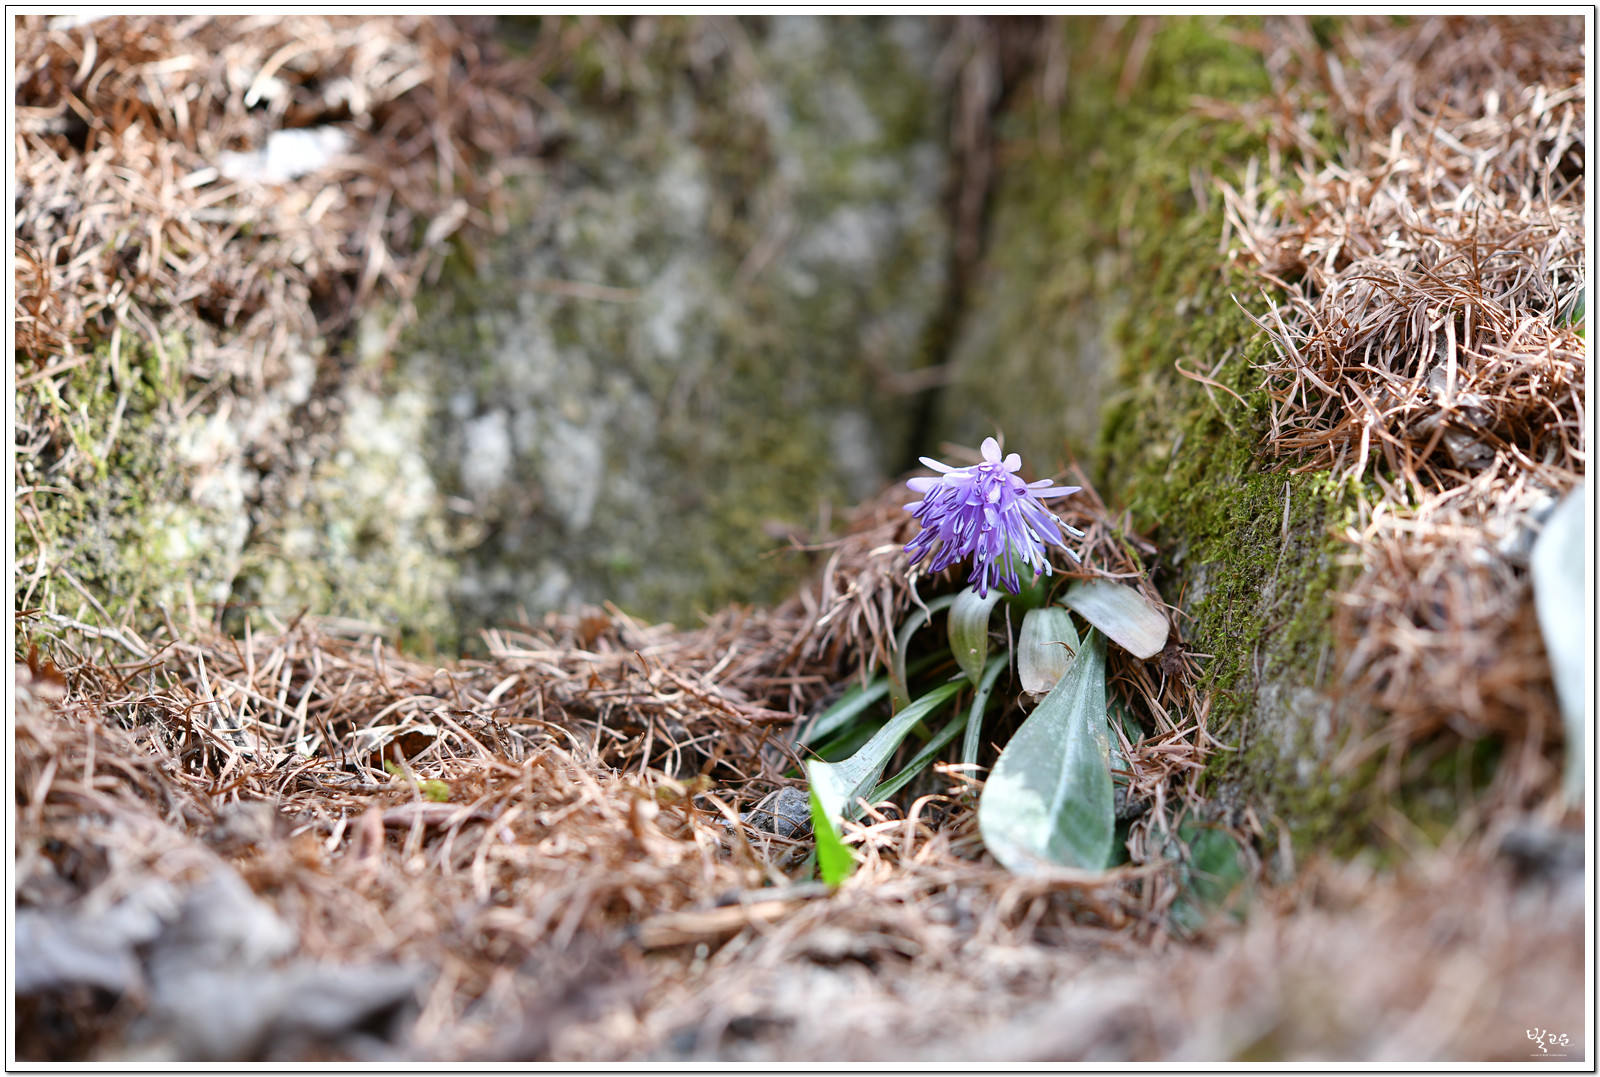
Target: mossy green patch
[
  {"x": 103, "y": 498},
  {"x": 363, "y": 538},
  {"x": 1250, "y": 547},
  {"x": 1097, "y": 224},
  {"x": 1105, "y": 277}
]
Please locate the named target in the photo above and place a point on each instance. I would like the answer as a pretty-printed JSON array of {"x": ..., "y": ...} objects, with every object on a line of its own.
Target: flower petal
[
  {"x": 1054, "y": 491},
  {"x": 985, "y": 512}
]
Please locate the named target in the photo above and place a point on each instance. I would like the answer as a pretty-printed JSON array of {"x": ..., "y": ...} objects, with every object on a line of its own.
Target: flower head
[{"x": 986, "y": 511}]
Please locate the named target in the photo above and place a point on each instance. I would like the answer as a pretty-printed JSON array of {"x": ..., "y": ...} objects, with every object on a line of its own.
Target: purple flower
[{"x": 986, "y": 511}]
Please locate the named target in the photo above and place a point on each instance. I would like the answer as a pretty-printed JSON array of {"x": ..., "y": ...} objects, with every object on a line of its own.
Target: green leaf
[
  {"x": 969, "y": 630},
  {"x": 1045, "y": 648},
  {"x": 980, "y": 700},
  {"x": 930, "y": 751},
  {"x": 1049, "y": 800},
  {"x": 833, "y": 857},
  {"x": 1122, "y": 613},
  {"x": 919, "y": 763},
  {"x": 838, "y": 785},
  {"x": 898, "y": 688},
  {"x": 1578, "y": 310},
  {"x": 846, "y": 742},
  {"x": 855, "y": 701},
  {"x": 1213, "y": 876},
  {"x": 837, "y": 715},
  {"x": 1558, "y": 600}
]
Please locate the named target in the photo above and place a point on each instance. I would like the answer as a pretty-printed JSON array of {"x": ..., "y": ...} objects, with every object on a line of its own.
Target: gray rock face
[
  {"x": 672, "y": 360},
  {"x": 1032, "y": 363}
]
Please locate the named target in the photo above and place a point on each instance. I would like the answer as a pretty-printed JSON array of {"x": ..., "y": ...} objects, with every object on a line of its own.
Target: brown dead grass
[
  {"x": 565, "y": 908},
  {"x": 1426, "y": 344},
  {"x": 124, "y": 218},
  {"x": 1448, "y": 958}
]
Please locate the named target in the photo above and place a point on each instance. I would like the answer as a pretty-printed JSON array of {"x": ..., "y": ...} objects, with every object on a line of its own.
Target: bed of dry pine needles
[
  {"x": 544, "y": 846},
  {"x": 1430, "y": 346},
  {"x": 547, "y": 843},
  {"x": 125, "y": 219},
  {"x": 580, "y": 787}
]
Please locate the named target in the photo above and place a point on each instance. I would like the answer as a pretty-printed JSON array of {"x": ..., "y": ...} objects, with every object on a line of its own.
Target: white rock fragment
[{"x": 288, "y": 155}]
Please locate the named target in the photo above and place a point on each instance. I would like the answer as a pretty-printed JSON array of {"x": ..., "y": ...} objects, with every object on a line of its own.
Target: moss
[
  {"x": 106, "y": 498},
  {"x": 1252, "y": 546},
  {"x": 1097, "y": 226},
  {"x": 1104, "y": 275},
  {"x": 364, "y": 538}
]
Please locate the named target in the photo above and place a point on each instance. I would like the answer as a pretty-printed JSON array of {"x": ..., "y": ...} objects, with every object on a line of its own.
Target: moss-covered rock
[
  {"x": 672, "y": 359},
  {"x": 128, "y": 500},
  {"x": 1103, "y": 277}
]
